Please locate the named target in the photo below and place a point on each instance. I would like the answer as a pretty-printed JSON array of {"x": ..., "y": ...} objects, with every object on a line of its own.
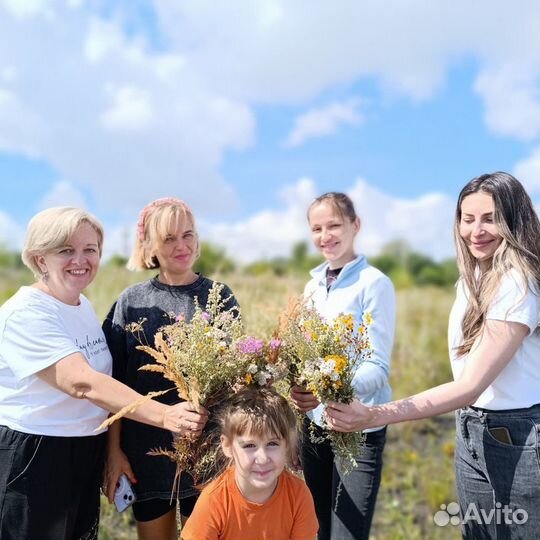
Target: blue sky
[{"x": 249, "y": 109}]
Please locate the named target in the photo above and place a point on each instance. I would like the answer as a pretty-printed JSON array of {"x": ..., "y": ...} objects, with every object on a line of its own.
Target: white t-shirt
[
  {"x": 518, "y": 384},
  {"x": 37, "y": 330}
]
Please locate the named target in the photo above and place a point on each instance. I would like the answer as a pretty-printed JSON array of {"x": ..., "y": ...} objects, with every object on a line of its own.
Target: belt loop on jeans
[{"x": 478, "y": 412}]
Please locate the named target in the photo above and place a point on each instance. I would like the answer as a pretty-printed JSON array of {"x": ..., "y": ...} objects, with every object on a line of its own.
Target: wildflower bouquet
[
  {"x": 322, "y": 357},
  {"x": 264, "y": 365},
  {"x": 199, "y": 356},
  {"x": 208, "y": 358}
]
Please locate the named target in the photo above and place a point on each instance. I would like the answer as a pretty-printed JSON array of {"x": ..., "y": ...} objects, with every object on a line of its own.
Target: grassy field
[{"x": 418, "y": 472}]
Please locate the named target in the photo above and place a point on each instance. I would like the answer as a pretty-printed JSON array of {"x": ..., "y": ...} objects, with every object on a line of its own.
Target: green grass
[{"x": 418, "y": 472}]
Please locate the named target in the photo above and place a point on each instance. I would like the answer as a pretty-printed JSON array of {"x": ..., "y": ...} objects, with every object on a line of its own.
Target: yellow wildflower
[
  {"x": 348, "y": 321},
  {"x": 248, "y": 378},
  {"x": 339, "y": 361},
  {"x": 368, "y": 319},
  {"x": 314, "y": 390}
]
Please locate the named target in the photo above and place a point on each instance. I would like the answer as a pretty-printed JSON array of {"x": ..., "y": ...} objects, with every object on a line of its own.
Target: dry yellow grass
[{"x": 418, "y": 472}]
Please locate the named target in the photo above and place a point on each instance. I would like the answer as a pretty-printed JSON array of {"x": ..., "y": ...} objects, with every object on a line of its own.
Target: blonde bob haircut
[
  {"x": 156, "y": 222},
  {"x": 52, "y": 229}
]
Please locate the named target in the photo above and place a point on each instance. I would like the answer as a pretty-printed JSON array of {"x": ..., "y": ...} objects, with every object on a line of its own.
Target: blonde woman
[
  {"x": 55, "y": 388},
  {"x": 494, "y": 346},
  {"x": 166, "y": 241}
]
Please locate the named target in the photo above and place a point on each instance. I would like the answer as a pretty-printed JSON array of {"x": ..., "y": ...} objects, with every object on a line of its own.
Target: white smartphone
[{"x": 124, "y": 496}]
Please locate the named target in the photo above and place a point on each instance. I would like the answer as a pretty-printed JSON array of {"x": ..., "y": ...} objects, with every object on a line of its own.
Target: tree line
[{"x": 402, "y": 264}]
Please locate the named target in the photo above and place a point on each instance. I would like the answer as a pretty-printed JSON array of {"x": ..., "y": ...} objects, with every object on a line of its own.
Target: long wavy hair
[{"x": 519, "y": 249}]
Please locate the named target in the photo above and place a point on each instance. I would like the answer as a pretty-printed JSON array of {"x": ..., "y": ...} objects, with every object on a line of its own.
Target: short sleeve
[
  {"x": 515, "y": 303},
  {"x": 305, "y": 524},
  {"x": 32, "y": 340},
  {"x": 203, "y": 524}
]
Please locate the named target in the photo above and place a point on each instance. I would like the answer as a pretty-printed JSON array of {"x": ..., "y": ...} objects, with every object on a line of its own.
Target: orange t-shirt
[{"x": 222, "y": 513}]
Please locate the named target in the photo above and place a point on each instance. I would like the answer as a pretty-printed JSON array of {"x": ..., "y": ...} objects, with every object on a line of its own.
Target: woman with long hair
[{"x": 494, "y": 345}]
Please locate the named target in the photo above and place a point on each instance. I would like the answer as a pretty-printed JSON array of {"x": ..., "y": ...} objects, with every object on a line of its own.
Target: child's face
[{"x": 258, "y": 463}]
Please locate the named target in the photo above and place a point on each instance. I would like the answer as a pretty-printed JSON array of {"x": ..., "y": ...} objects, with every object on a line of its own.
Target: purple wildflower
[
  {"x": 250, "y": 345},
  {"x": 275, "y": 344},
  {"x": 205, "y": 316}
]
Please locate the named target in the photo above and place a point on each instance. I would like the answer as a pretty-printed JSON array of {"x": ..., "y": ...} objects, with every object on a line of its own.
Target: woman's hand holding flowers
[
  {"x": 186, "y": 418},
  {"x": 303, "y": 399},
  {"x": 348, "y": 418}
]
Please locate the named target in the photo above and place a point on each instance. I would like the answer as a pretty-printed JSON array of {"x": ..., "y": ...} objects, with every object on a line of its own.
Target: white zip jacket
[{"x": 358, "y": 289}]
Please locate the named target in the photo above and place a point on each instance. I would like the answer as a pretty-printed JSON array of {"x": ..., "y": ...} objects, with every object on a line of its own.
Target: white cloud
[
  {"x": 62, "y": 193},
  {"x": 512, "y": 101},
  {"x": 117, "y": 114},
  {"x": 269, "y": 233},
  {"x": 424, "y": 223},
  {"x": 102, "y": 38},
  {"x": 26, "y": 8},
  {"x": 8, "y": 74},
  {"x": 282, "y": 52},
  {"x": 16, "y": 121},
  {"x": 131, "y": 110},
  {"x": 527, "y": 171},
  {"x": 100, "y": 106},
  {"x": 11, "y": 233},
  {"x": 323, "y": 121}
]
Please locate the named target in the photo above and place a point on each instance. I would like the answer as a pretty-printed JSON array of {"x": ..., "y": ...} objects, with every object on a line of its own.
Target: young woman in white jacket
[{"x": 347, "y": 283}]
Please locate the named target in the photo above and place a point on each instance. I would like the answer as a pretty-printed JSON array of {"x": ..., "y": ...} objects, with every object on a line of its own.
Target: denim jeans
[
  {"x": 351, "y": 518},
  {"x": 498, "y": 483}
]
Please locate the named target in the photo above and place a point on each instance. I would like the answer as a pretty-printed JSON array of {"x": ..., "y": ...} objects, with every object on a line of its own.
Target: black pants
[
  {"x": 49, "y": 486},
  {"x": 356, "y": 492},
  {"x": 151, "y": 509}
]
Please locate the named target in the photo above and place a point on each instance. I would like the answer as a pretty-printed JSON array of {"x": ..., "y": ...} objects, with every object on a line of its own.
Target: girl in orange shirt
[{"x": 255, "y": 496}]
